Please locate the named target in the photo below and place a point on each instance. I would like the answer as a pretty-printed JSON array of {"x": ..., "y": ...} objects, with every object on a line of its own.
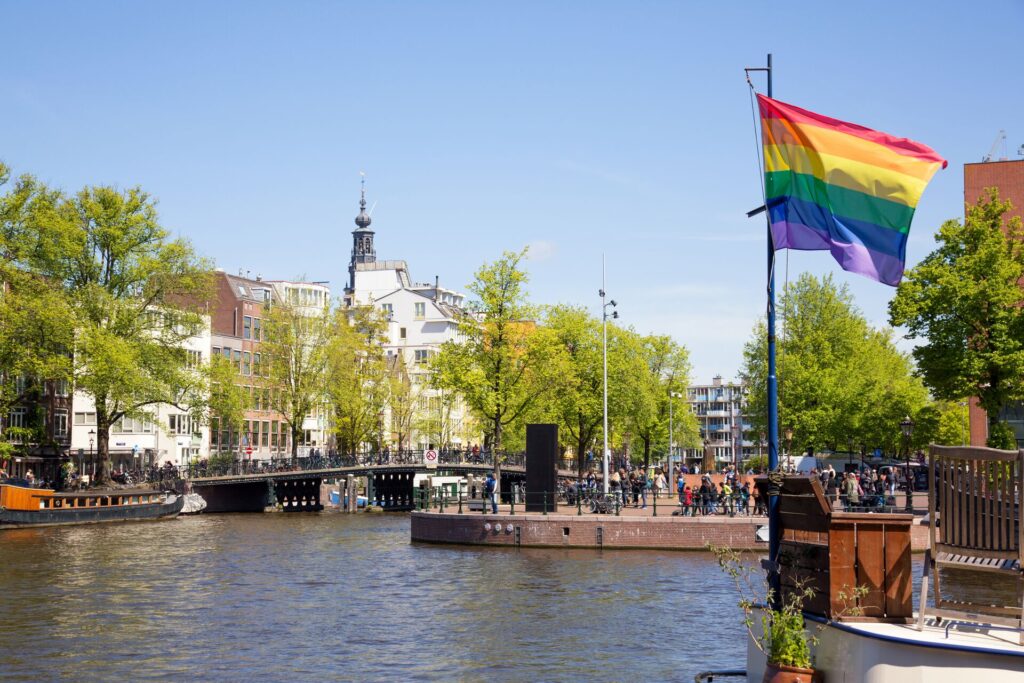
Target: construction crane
[{"x": 1000, "y": 139}]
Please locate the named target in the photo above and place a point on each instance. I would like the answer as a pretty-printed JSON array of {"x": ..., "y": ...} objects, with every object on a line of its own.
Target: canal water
[{"x": 337, "y": 597}]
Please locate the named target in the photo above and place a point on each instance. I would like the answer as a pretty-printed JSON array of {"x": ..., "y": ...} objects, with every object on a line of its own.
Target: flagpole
[
  {"x": 773, "y": 400},
  {"x": 773, "y": 387}
]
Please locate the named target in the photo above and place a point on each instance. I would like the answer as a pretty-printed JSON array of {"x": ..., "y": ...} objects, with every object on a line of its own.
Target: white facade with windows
[
  {"x": 724, "y": 431},
  {"x": 421, "y": 317},
  {"x": 166, "y": 433}
]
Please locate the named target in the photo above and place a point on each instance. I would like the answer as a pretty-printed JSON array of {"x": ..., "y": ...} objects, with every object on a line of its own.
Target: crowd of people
[{"x": 633, "y": 487}]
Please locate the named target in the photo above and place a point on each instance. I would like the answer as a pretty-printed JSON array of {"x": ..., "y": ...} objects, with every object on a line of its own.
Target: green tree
[
  {"x": 964, "y": 299},
  {"x": 840, "y": 380},
  {"x": 577, "y": 404},
  {"x": 358, "y": 381},
  {"x": 126, "y": 283},
  {"x": 402, "y": 397},
  {"x": 504, "y": 363},
  {"x": 666, "y": 370},
  {"x": 35, "y": 319},
  {"x": 228, "y": 401},
  {"x": 295, "y": 347}
]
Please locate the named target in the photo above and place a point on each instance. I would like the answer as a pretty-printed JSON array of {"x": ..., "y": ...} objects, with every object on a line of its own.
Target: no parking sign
[{"x": 430, "y": 458}]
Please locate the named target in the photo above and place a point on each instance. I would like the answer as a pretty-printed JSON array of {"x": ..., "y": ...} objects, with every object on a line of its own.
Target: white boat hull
[{"x": 897, "y": 653}]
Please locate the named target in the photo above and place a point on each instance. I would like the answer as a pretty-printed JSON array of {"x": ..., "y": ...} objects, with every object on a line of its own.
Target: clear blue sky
[{"x": 578, "y": 127}]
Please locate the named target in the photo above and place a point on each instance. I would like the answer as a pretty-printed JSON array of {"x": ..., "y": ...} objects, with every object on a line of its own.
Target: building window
[
  {"x": 256, "y": 364},
  {"x": 247, "y": 327},
  {"x": 238, "y": 361},
  {"x": 246, "y": 364},
  {"x": 401, "y": 333},
  {"x": 62, "y": 387},
  {"x": 194, "y": 358},
  {"x": 85, "y": 418},
  {"x": 60, "y": 424},
  {"x": 273, "y": 434},
  {"x": 422, "y": 355},
  {"x": 181, "y": 424},
  {"x": 265, "y": 434},
  {"x": 257, "y": 324},
  {"x": 421, "y": 311},
  {"x": 388, "y": 309}
]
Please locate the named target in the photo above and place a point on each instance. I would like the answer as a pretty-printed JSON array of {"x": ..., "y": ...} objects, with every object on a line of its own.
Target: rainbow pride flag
[{"x": 842, "y": 187}]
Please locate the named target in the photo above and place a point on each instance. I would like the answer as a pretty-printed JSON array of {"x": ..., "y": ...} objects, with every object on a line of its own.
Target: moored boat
[{"x": 23, "y": 506}]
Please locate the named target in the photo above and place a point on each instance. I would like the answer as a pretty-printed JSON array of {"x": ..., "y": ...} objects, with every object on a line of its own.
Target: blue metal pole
[{"x": 773, "y": 398}]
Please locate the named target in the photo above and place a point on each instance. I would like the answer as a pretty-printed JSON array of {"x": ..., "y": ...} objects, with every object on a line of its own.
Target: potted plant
[{"x": 782, "y": 636}]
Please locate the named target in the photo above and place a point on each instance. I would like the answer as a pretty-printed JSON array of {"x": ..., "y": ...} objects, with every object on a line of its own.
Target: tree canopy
[
  {"x": 121, "y": 284},
  {"x": 964, "y": 301},
  {"x": 842, "y": 383}
]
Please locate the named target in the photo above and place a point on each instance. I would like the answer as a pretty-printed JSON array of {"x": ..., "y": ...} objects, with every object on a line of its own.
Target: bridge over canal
[{"x": 390, "y": 486}]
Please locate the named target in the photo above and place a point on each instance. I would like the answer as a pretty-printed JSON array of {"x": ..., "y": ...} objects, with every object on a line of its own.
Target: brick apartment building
[
  {"x": 1008, "y": 177},
  {"x": 236, "y": 322}
]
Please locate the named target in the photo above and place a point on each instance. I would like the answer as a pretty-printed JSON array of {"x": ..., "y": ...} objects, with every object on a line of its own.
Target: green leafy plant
[{"x": 783, "y": 636}]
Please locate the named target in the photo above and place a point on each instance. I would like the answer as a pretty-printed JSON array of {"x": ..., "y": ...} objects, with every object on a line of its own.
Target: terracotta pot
[{"x": 780, "y": 673}]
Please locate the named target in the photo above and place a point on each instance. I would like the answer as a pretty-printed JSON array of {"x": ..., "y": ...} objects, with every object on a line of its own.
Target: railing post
[
  {"x": 655, "y": 505},
  {"x": 579, "y": 502},
  {"x": 618, "y": 505},
  {"x": 460, "y": 500},
  {"x": 545, "y": 502},
  {"x": 512, "y": 502}
]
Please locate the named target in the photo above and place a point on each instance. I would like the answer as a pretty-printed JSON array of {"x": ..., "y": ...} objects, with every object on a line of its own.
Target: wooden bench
[{"x": 975, "y": 513}]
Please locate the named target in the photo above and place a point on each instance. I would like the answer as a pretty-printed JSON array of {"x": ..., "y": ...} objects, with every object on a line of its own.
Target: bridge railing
[{"x": 205, "y": 468}]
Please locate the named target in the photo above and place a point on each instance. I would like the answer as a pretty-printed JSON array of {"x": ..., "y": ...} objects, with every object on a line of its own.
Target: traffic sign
[
  {"x": 248, "y": 450},
  {"x": 430, "y": 458}
]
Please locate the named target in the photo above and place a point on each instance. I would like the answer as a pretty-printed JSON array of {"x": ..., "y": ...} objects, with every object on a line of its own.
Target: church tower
[{"x": 362, "y": 239}]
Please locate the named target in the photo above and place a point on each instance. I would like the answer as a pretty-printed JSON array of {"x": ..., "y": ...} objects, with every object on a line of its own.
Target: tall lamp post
[
  {"x": 963, "y": 423},
  {"x": 92, "y": 435},
  {"x": 788, "y": 435},
  {"x": 907, "y": 427},
  {"x": 671, "y": 431},
  {"x": 604, "y": 326}
]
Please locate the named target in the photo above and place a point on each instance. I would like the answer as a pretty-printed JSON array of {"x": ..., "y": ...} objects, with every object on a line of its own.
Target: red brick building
[
  {"x": 237, "y": 330},
  {"x": 1008, "y": 177}
]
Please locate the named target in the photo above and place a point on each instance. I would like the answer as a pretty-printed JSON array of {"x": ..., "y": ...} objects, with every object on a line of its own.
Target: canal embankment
[{"x": 627, "y": 531}]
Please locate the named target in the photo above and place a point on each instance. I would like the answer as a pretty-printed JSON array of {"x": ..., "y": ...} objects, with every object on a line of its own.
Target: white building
[
  {"x": 168, "y": 434},
  {"x": 421, "y": 317},
  {"x": 724, "y": 431}
]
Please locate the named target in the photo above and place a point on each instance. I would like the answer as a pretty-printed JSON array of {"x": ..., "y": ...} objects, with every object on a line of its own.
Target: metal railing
[
  {"x": 589, "y": 502},
  {"x": 215, "y": 468}
]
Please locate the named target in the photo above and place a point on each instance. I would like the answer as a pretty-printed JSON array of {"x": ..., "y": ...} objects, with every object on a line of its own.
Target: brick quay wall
[{"x": 600, "y": 531}]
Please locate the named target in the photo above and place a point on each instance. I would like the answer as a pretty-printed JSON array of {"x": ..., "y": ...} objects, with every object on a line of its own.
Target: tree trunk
[
  {"x": 495, "y": 447},
  {"x": 295, "y": 429},
  {"x": 102, "y": 454}
]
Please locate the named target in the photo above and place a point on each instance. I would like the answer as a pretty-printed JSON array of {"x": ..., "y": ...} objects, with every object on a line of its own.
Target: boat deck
[{"x": 975, "y": 638}]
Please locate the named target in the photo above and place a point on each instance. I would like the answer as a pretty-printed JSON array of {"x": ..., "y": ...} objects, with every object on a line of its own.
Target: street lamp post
[
  {"x": 907, "y": 427},
  {"x": 788, "y": 434},
  {"x": 671, "y": 432},
  {"x": 963, "y": 423},
  {"x": 92, "y": 434},
  {"x": 604, "y": 328}
]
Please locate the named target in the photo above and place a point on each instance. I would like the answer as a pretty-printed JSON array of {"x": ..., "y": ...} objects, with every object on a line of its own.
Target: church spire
[
  {"x": 363, "y": 219},
  {"x": 362, "y": 237}
]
